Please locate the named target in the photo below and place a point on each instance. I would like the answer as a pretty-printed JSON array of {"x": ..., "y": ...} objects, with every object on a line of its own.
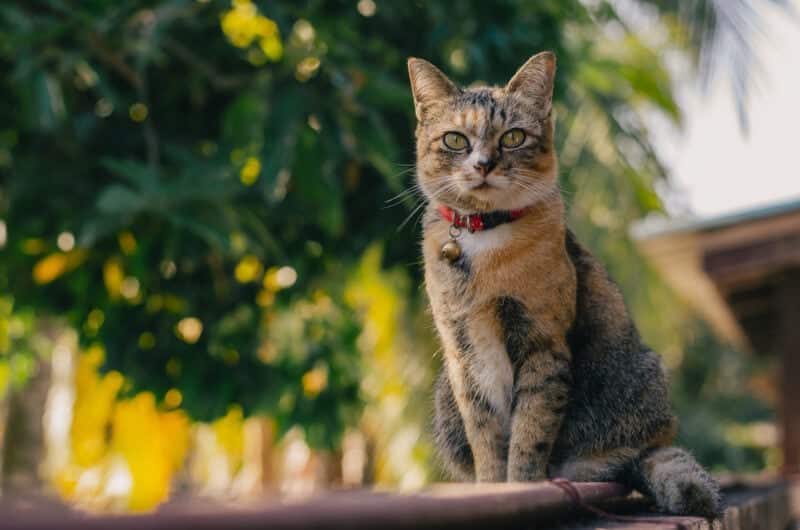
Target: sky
[{"x": 716, "y": 167}]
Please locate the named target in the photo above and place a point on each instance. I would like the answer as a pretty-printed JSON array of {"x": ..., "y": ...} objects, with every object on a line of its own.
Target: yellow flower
[
  {"x": 272, "y": 48},
  {"x": 66, "y": 481},
  {"x": 230, "y": 434},
  {"x": 146, "y": 447},
  {"x": 153, "y": 444},
  {"x": 113, "y": 277},
  {"x": 315, "y": 381},
  {"x": 248, "y": 269},
  {"x": 250, "y": 171},
  {"x": 127, "y": 242},
  {"x": 243, "y": 25},
  {"x": 173, "y": 398},
  {"x": 138, "y": 112},
  {"x": 265, "y": 27},
  {"x": 48, "y": 269},
  {"x": 94, "y": 403},
  {"x": 54, "y": 265}
]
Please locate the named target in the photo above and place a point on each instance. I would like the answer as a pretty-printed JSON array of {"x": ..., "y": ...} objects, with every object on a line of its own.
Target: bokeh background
[{"x": 210, "y": 281}]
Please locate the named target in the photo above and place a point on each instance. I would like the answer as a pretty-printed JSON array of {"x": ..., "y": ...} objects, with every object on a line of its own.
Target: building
[{"x": 742, "y": 273}]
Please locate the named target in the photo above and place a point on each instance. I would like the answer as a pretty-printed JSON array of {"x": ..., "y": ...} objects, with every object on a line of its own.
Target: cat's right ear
[{"x": 428, "y": 84}]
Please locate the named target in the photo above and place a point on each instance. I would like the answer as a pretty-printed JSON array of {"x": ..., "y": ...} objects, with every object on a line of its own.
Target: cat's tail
[{"x": 676, "y": 482}]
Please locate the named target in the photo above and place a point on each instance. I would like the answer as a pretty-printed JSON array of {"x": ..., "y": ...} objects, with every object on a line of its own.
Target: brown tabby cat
[{"x": 545, "y": 374}]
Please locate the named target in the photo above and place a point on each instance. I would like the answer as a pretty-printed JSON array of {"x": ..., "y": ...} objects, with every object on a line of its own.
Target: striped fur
[{"x": 544, "y": 371}]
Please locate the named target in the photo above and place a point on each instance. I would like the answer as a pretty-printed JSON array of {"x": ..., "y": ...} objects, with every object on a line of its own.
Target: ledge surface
[{"x": 765, "y": 506}]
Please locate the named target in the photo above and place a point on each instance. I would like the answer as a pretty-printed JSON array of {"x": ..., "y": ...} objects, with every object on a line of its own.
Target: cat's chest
[
  {"x": 488, "y": 260},
  {"x": 478, "y": 244},
  {"x": 505, "y": 261},
  {"x": 465, "y": 279}
]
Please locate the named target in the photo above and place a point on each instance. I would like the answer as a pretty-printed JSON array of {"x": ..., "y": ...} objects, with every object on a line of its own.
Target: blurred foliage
[
  {"x": 199, "y": 188},
  {"x": 18, "y": 356},
  {"x": 395, "y": 418}
]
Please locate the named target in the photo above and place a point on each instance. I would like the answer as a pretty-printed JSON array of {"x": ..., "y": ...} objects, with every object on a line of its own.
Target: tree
[{"x": 192, "y": 184}]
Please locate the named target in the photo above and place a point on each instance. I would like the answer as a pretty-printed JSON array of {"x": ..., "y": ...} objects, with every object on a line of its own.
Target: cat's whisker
[
  {"x": 403, "y": 195},
  {"x": 415, "y": 189},
  {"x": 446, "y": 189},
  {"x": 536, "y": 187},
  {"x": 446, "y": 185},
  {"x": 405, "y": 171},
  {"x": 405, "y": 168},
  {"x": 408, "y": 218}
]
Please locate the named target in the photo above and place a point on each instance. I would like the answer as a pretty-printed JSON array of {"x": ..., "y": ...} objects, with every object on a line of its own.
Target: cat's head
[{"x": 485, "y": 148}]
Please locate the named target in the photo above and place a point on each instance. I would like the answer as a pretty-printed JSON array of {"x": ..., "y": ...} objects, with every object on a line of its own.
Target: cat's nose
[{"x": 484, "y": 166}]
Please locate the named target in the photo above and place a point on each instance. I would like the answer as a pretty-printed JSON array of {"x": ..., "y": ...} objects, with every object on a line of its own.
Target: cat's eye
[
  {"x": 455, "y": 141},
  {"x": 512, "y": 138}
]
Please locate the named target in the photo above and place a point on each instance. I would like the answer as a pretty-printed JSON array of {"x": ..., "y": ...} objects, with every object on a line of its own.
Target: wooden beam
[
  {"x": 788, "y": 344},
  {"x": 752, "y": 261}
]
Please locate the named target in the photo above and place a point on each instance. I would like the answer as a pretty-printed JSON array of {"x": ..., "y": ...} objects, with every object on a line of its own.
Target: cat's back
[{"x": 620, "y": 395}]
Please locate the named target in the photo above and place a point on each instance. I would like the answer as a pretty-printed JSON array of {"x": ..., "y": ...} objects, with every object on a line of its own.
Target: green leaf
[
  {"x": 118, "y": 199},
  {"x": 137, "y": 173}
]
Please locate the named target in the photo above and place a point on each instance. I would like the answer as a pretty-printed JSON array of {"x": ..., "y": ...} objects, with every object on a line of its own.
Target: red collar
[{"x": 480, "y": 221}]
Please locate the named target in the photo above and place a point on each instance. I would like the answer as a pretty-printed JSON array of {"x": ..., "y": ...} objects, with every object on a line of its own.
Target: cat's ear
[
  {"x": 428, "y": 83},
  {"x": 535, "y": 78}
]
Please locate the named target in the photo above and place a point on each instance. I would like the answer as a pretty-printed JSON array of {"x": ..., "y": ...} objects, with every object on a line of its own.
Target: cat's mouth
[{"x": 482, "y": 186}]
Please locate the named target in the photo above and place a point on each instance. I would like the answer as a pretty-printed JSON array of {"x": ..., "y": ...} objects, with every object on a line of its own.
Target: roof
[
  {"x": 726, "y": 266},
  {"x": 655, "y": 227}
]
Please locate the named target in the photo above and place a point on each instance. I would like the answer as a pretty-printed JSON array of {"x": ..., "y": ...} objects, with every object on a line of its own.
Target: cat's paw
[{"x": 526, "y": 473}]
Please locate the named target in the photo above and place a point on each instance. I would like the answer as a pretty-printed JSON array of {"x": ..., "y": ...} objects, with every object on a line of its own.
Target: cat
[{"x": 544, "y": 372}]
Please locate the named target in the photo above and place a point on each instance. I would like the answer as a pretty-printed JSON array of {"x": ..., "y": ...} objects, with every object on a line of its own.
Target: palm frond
[{"x": 722, "y": 36}]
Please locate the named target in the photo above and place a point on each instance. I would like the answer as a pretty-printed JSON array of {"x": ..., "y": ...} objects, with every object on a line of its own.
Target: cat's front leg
[
  {"x": 482, "y": 379},
  {"x": 541, "y": 393},
  {"x": 486, "y": 427}
]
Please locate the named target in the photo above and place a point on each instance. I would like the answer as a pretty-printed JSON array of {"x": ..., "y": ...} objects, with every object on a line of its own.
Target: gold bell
[{"x": 451, "y": 250}]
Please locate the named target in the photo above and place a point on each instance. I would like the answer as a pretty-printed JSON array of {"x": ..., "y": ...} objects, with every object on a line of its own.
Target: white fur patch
[
  {"x": 490, "y": 368},
  {"x": 473, "y": 243},
  {"x": 494, "y": 378}
]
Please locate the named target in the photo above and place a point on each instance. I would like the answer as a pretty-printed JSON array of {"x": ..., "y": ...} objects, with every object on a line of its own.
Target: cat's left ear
[{"x": 535, "y": 79}]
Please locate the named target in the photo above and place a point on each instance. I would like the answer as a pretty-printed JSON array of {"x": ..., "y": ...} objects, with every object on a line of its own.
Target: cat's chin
[
  {"x": 494, "y": 198},
  {"x": 472, "y": 203},
  {"x": 488, "y": 199}
]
